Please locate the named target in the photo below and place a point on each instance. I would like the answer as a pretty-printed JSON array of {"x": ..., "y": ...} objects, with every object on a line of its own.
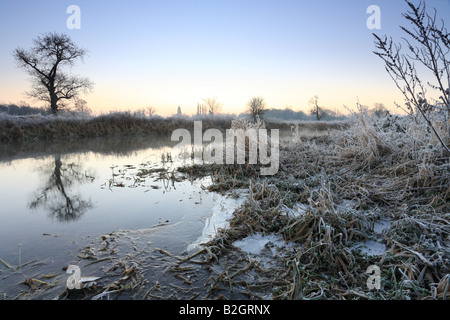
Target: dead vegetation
[
  {"x": 36, "y": 127},
  {"x": 347, "y": 182},
  {"x": 21, "y": 128},
  {"x": 331, "y": 192}
]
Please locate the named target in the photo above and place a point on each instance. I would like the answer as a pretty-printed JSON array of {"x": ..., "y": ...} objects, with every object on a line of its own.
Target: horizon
[{"x": 175, "y": 53}]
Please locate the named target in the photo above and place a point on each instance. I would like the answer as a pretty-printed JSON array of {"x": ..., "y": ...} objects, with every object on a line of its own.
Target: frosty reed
[{"x": 242, "y": 145}]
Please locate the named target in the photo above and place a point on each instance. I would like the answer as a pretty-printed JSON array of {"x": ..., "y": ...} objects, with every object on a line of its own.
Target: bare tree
[
  {"x": 316, "y": 111},
  {"x": 45, "y": 62},
  {"x": 213, "y": 105},
  {"x": 82, "y": 107},
  {"x": 151, "y": 112},
  {"x": 378, "y": 110},
  {"x": 428, "y": 44},
  {"x": 256, "y": 107}
]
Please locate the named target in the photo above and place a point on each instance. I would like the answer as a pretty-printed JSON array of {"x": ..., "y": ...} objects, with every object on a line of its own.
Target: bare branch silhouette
[
  {"x": 316, "y": 110},
  {"x": 256, "y": 107},
  {"x": 428, "y": 44},
  {"x": 213, "y": 105},
  {"x": 44, "y": 63}
]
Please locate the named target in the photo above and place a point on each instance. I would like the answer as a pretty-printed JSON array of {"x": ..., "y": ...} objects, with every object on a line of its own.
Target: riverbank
[
  {"x": 363, "y": 214},
  {"x": 15, "y": 129}
]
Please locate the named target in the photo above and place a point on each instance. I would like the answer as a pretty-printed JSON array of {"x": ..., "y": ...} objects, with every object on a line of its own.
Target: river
[{"x": 55, "y": 197}]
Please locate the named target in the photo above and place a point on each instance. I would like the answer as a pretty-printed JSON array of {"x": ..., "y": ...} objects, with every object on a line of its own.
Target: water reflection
[
  {"x": 116, "y": 146},
  {"x": 56, "y": 196},
  {"x": 134, "y": 188}
]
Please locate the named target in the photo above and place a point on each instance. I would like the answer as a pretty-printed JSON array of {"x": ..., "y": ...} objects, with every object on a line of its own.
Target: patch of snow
[
  {"x": 381, "y": 225},
  {"x": 296, "y": 211},
  {"x": 222, "y": 212},
  {"x": 372, "y": 248},
  {"x": 256, "y": 243}
]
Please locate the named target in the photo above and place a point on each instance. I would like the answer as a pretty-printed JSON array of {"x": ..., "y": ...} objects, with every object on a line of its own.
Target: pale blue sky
[{"x": 174, "y": 53}]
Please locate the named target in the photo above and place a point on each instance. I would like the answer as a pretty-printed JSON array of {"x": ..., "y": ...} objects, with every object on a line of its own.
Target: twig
[
  {"x": 99, "y": 260},
  {"x": 7, "y": 265}
]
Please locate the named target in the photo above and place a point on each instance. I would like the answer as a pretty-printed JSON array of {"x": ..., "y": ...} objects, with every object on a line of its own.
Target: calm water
[{"x": 55, "y": 197}]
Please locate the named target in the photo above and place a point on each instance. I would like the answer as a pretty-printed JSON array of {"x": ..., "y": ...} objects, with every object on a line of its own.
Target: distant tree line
[
  {"x": 23, "y": 110},
  {"x": 288, "y": 114},
  {"x": 255, "y": 107}
]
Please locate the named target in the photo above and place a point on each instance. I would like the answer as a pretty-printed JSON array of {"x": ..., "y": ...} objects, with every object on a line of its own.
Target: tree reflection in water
[{"x": 56, "y": 195}]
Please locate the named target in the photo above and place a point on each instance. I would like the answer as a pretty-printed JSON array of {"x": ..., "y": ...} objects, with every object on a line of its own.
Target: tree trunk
[{"x": 54, "y": 103}]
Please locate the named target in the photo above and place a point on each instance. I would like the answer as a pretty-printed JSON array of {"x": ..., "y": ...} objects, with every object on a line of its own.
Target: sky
[{"x": 170, "y": 53}]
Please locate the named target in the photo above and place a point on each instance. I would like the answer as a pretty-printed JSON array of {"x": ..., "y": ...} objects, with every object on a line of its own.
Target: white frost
[{"x": 298, "y": 210}]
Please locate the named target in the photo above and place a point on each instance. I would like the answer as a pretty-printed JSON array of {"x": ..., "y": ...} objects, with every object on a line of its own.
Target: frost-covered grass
[
  {"x": 330, "y": 194},
  {"x": 15, "y": 128},
  {"x": 39, "y": 127}
]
